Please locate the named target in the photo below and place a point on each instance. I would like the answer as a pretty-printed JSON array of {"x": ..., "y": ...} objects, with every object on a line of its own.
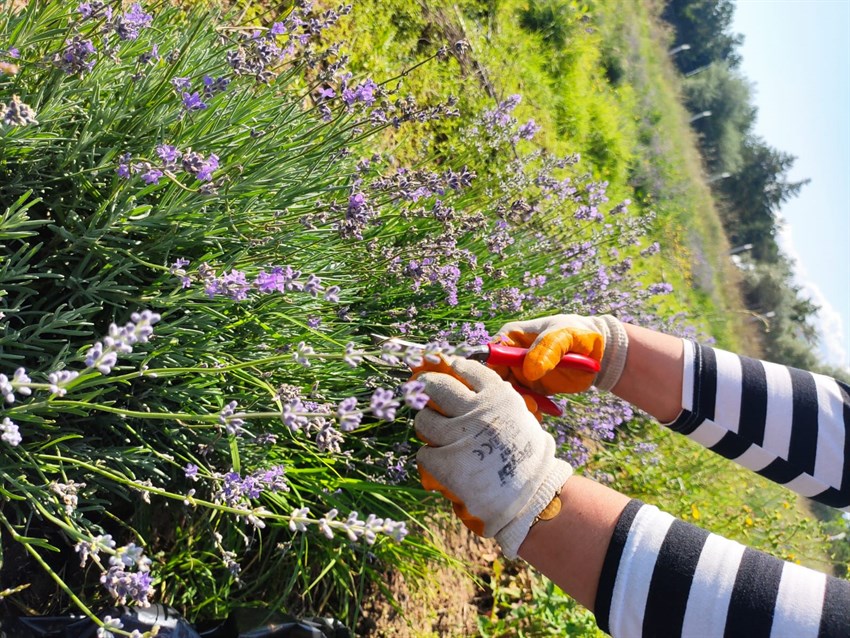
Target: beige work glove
[
  {"x": 549, "y": 338},
  {"x": 486, "y": 452}
]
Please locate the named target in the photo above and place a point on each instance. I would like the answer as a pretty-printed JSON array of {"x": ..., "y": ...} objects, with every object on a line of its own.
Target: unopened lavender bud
[
  {"x": 353, "y": 357},
  {"x": 297, "y": 519},
  {"x": 302, "y": 355},
  {"x": 10, "y": 432}
]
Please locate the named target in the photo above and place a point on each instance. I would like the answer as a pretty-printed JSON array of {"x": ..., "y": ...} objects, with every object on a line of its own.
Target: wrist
[
  {"x": 513, "y": 534},
  {"x": 616, "y": 351}
]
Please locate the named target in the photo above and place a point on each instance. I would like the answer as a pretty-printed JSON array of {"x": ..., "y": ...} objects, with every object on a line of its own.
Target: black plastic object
[{"x": 248, "y": 623}]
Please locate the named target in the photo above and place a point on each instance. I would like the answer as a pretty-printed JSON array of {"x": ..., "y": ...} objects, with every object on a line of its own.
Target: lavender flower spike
[
  {"x": 383, "y": 404},
  {"x": 104, "y": 355},
  {"x": 348, "y": 415},
  {"x": 16, "y": 113},
  {"x": 60, "y": 380},
  {"x": 414, "y": 395}
]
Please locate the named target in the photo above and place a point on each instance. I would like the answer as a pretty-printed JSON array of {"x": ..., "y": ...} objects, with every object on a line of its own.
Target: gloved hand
[
  {"x": 486, "y": 452},
  {"x": 549, "y": 338}
]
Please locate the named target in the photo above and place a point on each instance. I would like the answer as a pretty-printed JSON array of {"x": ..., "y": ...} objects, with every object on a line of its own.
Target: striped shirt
[{"x": 665, "y": 577}]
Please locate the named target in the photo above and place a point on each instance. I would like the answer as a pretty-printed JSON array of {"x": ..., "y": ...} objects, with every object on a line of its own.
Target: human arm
[
  {"x": 788, "y": 425},
  {"x": 645, "y": 573},
  {"x": 640, "y": 570}
]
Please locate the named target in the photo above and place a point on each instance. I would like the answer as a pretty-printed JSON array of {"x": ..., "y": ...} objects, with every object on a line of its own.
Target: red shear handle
[
  {"x": 512, "y": 356},
  {"x": 544, "y": 403}
]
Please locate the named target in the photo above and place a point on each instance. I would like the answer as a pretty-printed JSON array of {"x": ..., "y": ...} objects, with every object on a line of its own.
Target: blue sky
[{"x": 797, "y": 54}]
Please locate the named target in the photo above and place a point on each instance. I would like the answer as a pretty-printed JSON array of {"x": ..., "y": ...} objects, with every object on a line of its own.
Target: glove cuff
[
  {"x": 511, "y": 536},
  {"x": 616, "y": 349}
]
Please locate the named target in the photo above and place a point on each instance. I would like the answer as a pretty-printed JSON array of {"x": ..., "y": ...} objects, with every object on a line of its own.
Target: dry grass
[{"x": 446, "y": 602}]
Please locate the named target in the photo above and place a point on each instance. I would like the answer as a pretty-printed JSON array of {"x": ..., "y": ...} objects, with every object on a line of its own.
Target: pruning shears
[{"x": 503, "y": 355}]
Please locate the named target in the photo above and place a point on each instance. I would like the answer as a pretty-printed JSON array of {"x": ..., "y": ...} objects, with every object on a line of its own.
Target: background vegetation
[{"x": 416, "y": 196}]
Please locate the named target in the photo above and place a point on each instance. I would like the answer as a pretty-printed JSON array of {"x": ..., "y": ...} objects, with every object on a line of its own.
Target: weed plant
[{"x": 198, "y": 239}]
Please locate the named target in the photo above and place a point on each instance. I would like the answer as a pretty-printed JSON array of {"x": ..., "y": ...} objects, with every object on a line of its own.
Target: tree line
[{"x": 749, "y": 177}]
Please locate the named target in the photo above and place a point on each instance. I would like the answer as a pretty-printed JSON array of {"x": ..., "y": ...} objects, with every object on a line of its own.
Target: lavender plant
[{"x": 198, "y": 239}]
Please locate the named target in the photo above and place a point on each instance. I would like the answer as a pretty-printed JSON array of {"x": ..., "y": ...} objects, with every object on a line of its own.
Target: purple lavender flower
[
  {"x": 93, "y": 547},
  {"x": 207, "y": 168},
  {"x": 191, "y": 471},
  {"x": 302, "y": 354},
  {"x": 169, "y": 155},
  {"x": 475, "y": 334},
  {"x": 110, "y": 624},
  {"x": 528, "y": 130},
  {"x": 230, "y": 420},
  {"x": 353, "y": 357},
  {"x": 178, "y": 269},
  {"x": 104, "y": 359},
  {"x": 363, "y": 92},
  {"x": 314, "y": 321},
  {"x": 129, "y": 25},
  {"x": 95, "y": 9},
  {"x": 199, "y": 166},
  {"x": 660, "y": 289},
  {"x": 233, "y": 284},
  {"x": 414, "y": 395},
  {"x": 152, "y": 175},
  {"x": 103, "y": 355},
  {"x": 18, "y": 383},
  {"x": 383, "y": 404},
  {"x": 76, "y": 58},
  {"x": 313, "y": 285},
  {"x": 59, "y": 380},
  {"x": 150, "y": 56},
  {"x": 130, "y": 555},
  {"x": 277, "y": 28},
  {"x": 290, "y": 415},
  {"x": 124, "y": 585},
  {"x": 123, "y": 169},
  {"x": 269, "y": 282},
  {"x": 348, "y": 415},
  {"x": 17, "y": 113},
  {"x": 192, "y": 101},
  {"x": 326, "y": 93},
  {"x": 332, "y": 294},
  {"x": 653, "y": 249},
  {"x": 214, "y": 86},
  {"x": 328, "y": 439},
  {"x": 280, "y": 279}
]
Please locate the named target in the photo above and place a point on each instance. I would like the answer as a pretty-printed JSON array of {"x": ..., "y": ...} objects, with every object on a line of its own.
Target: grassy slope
[
  {"x": 632, "y": 132},
  {"x": 612, "y": 95}
]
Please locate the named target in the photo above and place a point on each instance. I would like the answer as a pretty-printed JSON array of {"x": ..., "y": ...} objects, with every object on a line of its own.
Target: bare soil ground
[{"x": 447, "y": 604}]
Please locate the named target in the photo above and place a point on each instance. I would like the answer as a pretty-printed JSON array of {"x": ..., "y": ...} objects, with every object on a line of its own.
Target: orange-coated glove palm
[{"x": 550, "y": 338}]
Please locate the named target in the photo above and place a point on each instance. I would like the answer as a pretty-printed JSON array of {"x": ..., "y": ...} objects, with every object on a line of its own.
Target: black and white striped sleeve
[
  {"x": 665, "y": 577},
  {"x": 788, "y": 425}
]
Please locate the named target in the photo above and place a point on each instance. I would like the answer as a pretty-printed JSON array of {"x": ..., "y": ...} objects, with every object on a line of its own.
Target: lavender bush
[{"x": 199, "y": 236}]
